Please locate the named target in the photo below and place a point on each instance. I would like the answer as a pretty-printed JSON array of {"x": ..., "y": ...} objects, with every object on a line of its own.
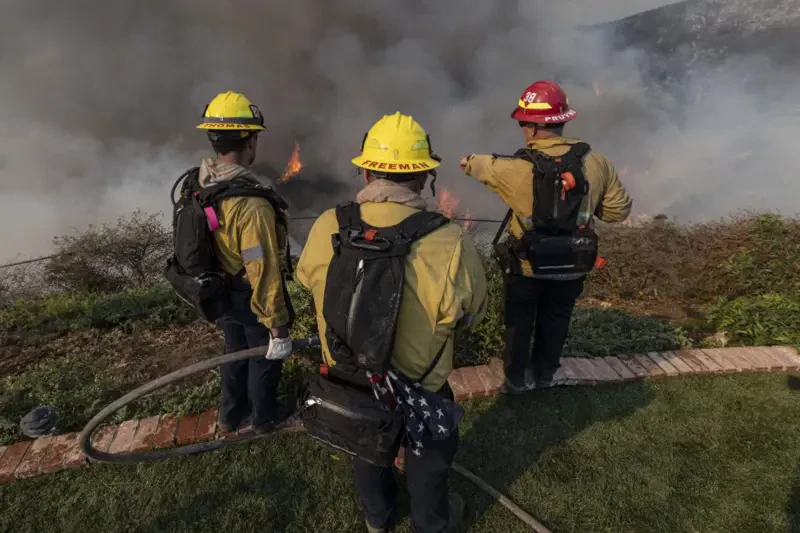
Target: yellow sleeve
[
  {"x": 485, "y": 169},
  {"x": 615, "y": 205},
  {"x": 260, "y": 252},
  {"x": 318, "y": 250},
  {"x": 464, "y": 300},
  {"x": 301, "y": 273}
]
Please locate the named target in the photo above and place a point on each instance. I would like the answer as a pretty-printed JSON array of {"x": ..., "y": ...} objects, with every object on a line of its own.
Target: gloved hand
[{"x": 279, "y": 348}]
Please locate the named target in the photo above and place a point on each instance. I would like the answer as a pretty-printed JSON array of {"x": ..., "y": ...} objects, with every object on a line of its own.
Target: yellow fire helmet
[
  {"x": 396, "y": 143},
  {"x": 230, "y": 111}
]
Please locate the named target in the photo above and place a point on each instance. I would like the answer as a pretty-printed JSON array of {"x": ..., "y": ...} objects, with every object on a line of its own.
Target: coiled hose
[{"x": 291, "y": 424}]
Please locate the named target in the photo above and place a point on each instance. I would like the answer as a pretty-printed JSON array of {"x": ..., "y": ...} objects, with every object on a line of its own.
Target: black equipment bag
[
  {"x": 350, "y": 418},
  {"x": 193, "y": 270},
  {"x": 560, "y": 242}
]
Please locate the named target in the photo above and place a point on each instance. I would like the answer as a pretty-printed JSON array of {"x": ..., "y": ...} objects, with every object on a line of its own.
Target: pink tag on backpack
[{"x": 211, "y": 218}]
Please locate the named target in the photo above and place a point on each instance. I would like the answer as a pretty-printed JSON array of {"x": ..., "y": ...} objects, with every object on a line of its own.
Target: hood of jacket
[
  {"x": 388, "y": 191},
  {"x": 214, "y": 171}
]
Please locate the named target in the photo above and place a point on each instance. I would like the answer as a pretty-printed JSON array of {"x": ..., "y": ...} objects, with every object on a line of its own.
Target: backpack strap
[
  {"x": 420, "y": 224},
  {"x": 395, "y": 240},
  {"x": 579, "y": 150},
  {"x": 348, "y": 215},
  {"x": 238, "y": 188},
  {"x": 576, "y": 151},
  {"x": 434, "y": 363}
]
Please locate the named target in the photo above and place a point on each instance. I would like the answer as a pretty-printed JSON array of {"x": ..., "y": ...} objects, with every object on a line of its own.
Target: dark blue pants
[
  {"x": 249, "y": 387},
  {"x": 427, "y": 480},
  {"x": 541, "y": 308}
]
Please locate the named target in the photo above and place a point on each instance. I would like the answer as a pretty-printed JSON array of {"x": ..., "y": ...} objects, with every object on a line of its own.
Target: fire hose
[{"x": 289, "y": 424}]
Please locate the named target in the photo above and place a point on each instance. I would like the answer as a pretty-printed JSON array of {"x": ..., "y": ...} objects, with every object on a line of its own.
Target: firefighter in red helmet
[{"x": 554, "y": 188}]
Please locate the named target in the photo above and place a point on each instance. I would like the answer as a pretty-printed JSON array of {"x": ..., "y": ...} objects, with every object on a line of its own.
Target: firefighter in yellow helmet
[
  {"x": 554, "y": 187},
  {"x": 250, "y": 244},
  {"x": 444, "y": 288}
]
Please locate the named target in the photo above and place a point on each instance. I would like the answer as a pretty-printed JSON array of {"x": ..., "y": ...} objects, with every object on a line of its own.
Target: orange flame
[
  {"x": 447, "y": 203},
  {"x": 294, "y": 165},
  {"x": 596, "y": 87}
]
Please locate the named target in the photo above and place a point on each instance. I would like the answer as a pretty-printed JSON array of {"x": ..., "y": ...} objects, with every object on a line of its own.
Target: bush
[
  {"x": 602, "y": 332},
  {"x": 764, "y": 319},
  {"x": 476, "y": 345},
  {"x": 49, "y": 313},
  {"x": 111, "y": 258},
  {"x": 22, "y": 281},
  {"x": 156, "y": 306},
  {"x": 305, "y": 323}
]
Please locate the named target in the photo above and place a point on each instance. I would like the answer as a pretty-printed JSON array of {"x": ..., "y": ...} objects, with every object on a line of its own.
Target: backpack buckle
[{"x": 374, "y": 245}]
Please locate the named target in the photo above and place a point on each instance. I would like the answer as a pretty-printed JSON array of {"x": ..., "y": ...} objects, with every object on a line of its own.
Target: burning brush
[
  {"x": 293, "y": 166},
  {"x": 447, "y": 203}
]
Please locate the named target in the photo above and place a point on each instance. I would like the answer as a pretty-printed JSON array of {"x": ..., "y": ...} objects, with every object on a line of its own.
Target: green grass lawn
[{"x": 697, "y": 454}]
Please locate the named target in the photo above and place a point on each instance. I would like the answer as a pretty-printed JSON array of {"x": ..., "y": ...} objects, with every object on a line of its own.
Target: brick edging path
[{"x": 58, "y": 452}]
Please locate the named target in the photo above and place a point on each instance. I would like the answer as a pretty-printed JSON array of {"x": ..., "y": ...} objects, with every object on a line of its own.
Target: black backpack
[
  {"x": 353, "y": 408},
  {"x": 560, "y": 241},
  {"x": 364, "y": 287},
  {"x": 193, "y": 270}
]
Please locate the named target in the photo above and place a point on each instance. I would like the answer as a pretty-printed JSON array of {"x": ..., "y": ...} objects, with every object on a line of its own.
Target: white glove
[{"x": 279, "y": 349}]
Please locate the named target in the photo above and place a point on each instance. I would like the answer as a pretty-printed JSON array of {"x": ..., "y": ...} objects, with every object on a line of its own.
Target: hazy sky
[{"x": 99, "y": 112}]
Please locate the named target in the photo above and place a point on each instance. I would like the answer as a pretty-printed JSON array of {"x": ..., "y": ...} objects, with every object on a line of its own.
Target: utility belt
[
  {"x": 350, "y": 418},
  {"x": 548, "y": 253},
  {"x": 343, "y": 410}
]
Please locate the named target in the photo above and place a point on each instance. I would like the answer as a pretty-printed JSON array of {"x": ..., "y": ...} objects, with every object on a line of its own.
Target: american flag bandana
[{"x": 426, "y": 413}]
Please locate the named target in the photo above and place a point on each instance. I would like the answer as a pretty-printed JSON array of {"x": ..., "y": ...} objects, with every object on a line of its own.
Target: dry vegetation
[{"x": 691, "y": 266}]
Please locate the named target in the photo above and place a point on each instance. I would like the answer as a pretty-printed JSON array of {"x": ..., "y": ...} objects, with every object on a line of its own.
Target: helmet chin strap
[{"x": 434, "y": 173}]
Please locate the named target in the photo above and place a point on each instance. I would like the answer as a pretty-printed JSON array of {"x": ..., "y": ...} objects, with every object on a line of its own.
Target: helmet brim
[
  {"x": 519, "y": 114},
  {"x": 230, "y": 127},
  {"x": 396, "y": 166}
]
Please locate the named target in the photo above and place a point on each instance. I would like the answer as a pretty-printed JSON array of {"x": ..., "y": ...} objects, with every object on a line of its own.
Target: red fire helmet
[{"x": 544, "y": 102}]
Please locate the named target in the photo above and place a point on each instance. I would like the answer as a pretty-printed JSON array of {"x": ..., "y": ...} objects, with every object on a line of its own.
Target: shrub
[
  {"x": 22, "y": 281},
  {"x": 111, "y": 258},
  {"x": 764, "y": 319},
  {"x": 305, "y": 323},
  {"x": 156, "y": 306},
  {"x": 50, "y": 313},
  {"x": 602, "y": 332},
  {"x": 477, "y": 344}
]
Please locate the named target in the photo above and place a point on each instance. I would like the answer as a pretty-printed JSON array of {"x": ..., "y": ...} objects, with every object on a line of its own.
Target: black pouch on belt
[{"x": 351, "y": 419}]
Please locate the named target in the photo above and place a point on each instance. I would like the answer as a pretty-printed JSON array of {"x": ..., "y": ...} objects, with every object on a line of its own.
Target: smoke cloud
[{"x": 101, "y": 98}]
